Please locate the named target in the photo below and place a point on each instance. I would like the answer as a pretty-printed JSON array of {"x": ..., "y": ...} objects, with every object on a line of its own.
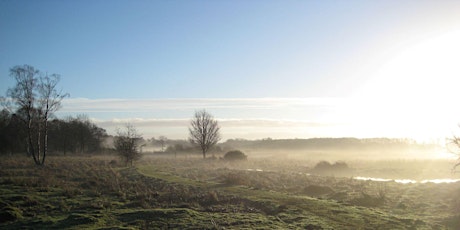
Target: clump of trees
[
  {"x": 127, "y": 144},
  {"x": 33, "y": 100},
  {"x": 235, "y": 155},
  {"x": 76, "y": 135},
  {"x": 204, "y": 131}
]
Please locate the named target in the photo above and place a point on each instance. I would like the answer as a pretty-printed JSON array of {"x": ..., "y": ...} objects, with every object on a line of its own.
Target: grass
[{"x": 163, "y": 193}]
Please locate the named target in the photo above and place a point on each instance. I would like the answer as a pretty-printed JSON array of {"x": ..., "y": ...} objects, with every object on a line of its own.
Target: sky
[{"x": 279, "y": 69}]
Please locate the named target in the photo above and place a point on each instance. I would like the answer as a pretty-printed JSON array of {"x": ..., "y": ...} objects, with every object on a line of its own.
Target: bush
[
  {"x": 324, "y": 167},
  {"x": 235, "y": 155}
]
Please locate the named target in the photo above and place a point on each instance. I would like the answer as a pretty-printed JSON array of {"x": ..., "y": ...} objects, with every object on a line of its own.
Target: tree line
[
  {"x": 65, "y": 136},
  {"x": 342, "y": 143}
]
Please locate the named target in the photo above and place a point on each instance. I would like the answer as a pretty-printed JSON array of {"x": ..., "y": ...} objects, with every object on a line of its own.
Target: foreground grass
[{"x": 91, "y": 193}]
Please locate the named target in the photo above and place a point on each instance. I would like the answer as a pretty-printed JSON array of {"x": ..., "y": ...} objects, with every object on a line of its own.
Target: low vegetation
[{"x": 185, "y": 192}]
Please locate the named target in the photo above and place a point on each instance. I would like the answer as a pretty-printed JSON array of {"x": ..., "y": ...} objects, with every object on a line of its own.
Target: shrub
[
  {"x": 235, "y": 155},
  {"x": 324, "y": 167}
]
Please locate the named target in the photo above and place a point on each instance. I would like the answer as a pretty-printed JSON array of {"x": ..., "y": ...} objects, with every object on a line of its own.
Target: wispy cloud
[
  {"x": 111, "y": 105},
  {"x": 229, "y": 108}
]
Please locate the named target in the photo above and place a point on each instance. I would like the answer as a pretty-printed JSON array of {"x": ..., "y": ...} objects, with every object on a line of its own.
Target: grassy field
[{"x": 192, "y": 193}]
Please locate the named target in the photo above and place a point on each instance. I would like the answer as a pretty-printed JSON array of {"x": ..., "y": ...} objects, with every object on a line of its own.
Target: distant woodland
[
  {"x": 346, "y": 143},
  {"x": 78, "y": 135}
]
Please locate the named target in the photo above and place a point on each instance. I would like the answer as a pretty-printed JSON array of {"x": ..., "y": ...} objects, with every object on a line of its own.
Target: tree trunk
[
  {"x": 30, "y": 146},
  {"x": 45, "y": 141},
  {"x": 39, "y": 141}
]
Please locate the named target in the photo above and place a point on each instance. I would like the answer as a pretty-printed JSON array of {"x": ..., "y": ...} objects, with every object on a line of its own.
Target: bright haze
[{"x": 279, "y": 69}]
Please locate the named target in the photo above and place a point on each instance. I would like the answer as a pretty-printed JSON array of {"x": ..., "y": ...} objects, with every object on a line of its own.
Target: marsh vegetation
[{"x": 187, "y": 191}]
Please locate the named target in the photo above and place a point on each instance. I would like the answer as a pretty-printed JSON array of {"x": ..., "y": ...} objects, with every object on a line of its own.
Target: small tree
[
  {"x": 204, "y": 131},
  {"x": 162, "y": 140},
  {"x": 127, "y": 144}
]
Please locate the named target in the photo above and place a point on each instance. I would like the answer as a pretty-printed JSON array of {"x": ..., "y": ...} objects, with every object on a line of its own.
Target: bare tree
[
  {"x": 49, "y": 102},
  {"x": 21, "y": 99},
  {"x": 34, "y": 99},
  {"x": 162, "y": 140},
  {"x": 453, "y": 146},
  {"x": 204, "y": 131},
  {"x": 127, "y": 144}
]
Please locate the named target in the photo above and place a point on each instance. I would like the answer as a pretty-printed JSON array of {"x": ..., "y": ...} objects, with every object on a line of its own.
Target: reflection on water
[
  {"x": 401, "y": 181},
  {"x": 255, "y": 170},
  {"x": 407, "y": 181},
  {"x": 437, "y": 181}
]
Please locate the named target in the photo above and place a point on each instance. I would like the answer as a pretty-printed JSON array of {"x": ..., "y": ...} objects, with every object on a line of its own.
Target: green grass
[{"x": 90, "y": 193}]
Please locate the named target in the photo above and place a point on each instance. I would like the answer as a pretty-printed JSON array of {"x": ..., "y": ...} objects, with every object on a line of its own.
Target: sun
[{"x": 415, "y": 91}]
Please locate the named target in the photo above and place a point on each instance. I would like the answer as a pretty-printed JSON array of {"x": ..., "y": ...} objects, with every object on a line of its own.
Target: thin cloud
[
  {"x": 118, "y": 105},
  {"x": 144, "y": 122}
]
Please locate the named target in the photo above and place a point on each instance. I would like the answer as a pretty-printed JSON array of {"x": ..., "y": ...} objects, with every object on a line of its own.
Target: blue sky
[{"x": 398, "y": 56}]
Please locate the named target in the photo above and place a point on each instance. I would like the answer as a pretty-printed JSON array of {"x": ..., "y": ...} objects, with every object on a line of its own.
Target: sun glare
[{"x": 415, "y": 88}]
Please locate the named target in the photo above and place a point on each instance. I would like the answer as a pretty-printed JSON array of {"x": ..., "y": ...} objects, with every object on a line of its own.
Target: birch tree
[{"x": 34, "y": 99}]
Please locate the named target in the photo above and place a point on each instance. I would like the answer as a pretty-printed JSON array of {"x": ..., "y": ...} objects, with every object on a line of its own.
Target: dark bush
[
  {"x": 340, "y": 165},
  {"x": 235, "y": 155},
  {"x": 324, "y": 167}
]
